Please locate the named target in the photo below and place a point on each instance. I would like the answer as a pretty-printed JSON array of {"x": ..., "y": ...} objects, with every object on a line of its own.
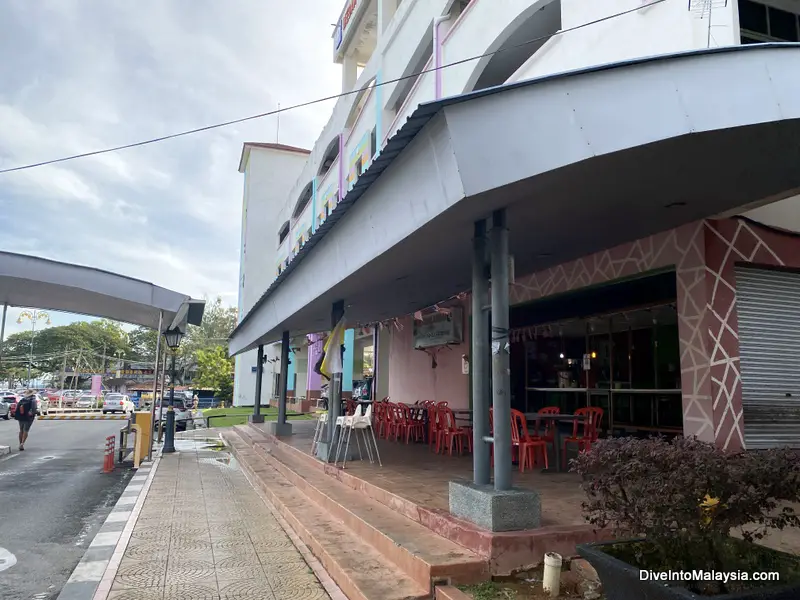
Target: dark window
[
  {"x": 373, "y": 140},
  {"x": 782, "y": 25},
  {"x": 753, "y": 17},
  {"x": 747, "y": 40},
  {"x": 283, "y": 233}
]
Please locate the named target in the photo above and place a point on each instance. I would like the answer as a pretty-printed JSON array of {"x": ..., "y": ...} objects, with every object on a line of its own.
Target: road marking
[
  {"x": 7, "y": 560},
  {"x": 9, "y": 457}
]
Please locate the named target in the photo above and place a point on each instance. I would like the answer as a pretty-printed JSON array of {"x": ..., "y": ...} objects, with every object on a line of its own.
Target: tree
[
  {"x": 215, "y": 371},
  {"x": 142, "y": 342},
  {"x": 218, "y": 323}
]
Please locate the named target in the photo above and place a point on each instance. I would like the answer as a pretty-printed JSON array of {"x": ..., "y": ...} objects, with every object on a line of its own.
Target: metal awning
[
  {"x": 43, "y": 283},
  {"x": 582, "y": 161}
]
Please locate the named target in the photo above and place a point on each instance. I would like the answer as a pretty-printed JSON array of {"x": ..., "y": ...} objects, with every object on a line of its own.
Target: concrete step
[
  {"x": 358, "y": 569},
  {"x": 426, "y": 557}
]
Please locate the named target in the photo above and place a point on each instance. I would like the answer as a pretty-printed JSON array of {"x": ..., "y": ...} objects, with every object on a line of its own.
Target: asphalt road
[{"x": 54, "y": 497}]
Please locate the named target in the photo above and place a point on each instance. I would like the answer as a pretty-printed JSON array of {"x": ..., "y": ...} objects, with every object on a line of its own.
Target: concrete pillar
[
  {"x": 326, "y": 450},
  {"x": 501, "y": 374},
  {"x": 313, "y": 379},
  {"x": 386, "y": 10},
  {"x": 257, "y": 417},
  {"x": 281, "y": 427},
  {"x": 498, "y": 507},
  {"x": 348, "y": 360},
  {"x": 349, "y": 73},
  {"x": 382, "y": 364},
  {"x": 479, "y": 359}
]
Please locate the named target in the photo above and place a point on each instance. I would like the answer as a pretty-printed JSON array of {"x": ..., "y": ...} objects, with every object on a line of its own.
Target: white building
[{"x": 458, "y": 160}]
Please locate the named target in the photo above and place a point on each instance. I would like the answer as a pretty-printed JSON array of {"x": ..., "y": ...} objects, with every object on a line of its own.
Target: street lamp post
[
  {"x": 173, "y": 338},
  {"x": 33, "y": 317}
]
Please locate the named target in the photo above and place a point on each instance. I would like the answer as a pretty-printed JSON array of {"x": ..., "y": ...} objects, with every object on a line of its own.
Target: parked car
[
  {"x": 42, "y": 405},
  {"x": 86, "y": 401},
  {"x": 11, "y": 399},
  {"x": 183, "y": 413},
  {"x": 5, "y": 409},
  {"x": 69, "y": 397},
  {"x": 117, "y": 402}
]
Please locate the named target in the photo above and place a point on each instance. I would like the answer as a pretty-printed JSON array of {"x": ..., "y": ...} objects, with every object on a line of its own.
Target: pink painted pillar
[{"x": 314, "y": 380}]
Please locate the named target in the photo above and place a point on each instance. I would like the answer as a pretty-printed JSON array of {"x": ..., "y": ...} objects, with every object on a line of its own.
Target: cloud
[{"x": 95, "y": 75}]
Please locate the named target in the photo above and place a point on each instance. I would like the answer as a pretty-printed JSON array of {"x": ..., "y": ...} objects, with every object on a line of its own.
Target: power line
[{"x": 324, "y": 99}]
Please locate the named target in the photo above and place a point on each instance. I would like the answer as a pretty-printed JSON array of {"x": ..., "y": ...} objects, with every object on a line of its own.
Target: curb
[
  {"x": 95, "y": 573},
  {"x": 5, "y": 450}
]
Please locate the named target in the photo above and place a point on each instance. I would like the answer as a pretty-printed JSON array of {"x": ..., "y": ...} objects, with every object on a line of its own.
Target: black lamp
[{"x": 173, "y": 338}]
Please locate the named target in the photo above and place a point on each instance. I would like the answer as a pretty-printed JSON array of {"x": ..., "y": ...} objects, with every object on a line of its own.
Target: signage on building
[
  {"x": 350, "y": 7},
  {"x": 439, "y": 329}
]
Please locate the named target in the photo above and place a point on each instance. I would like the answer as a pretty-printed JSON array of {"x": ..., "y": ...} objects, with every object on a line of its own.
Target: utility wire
[{"x": 326, "y": 98}]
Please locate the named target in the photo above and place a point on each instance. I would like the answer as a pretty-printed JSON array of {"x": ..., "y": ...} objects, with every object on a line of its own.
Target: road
[{"x": 53, "y": 499}]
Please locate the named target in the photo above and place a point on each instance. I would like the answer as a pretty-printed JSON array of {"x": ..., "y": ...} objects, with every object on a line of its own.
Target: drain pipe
[
  {"x": 551, "y": 579},
  {"x": 437, "y": 53}
]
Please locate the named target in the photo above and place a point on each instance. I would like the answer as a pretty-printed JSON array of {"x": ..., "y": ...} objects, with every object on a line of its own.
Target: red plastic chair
[
  {"x": 451, "y": 434},
  {"x": 585, "y": 431},
  {"x": 435, "y": 423},
  {"x": 414, "y": 425},
  {"x": 399, "y": 421},
  {"x": 389, "y": 421},
  {"x": 527, "y": 447}
]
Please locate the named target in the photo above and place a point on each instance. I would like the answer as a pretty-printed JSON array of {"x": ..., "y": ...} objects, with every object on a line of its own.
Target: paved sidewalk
[{"x": 205, "y": 533}]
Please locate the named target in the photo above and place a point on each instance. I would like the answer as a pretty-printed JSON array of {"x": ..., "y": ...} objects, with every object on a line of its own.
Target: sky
[{"x": 89, "y": 75}]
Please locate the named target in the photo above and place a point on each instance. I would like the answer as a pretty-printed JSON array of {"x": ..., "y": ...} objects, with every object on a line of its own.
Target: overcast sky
[{"x": 78, "y": 76}]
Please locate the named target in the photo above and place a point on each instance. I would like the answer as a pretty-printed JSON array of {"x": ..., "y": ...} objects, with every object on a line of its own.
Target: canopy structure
[
  {"x": 42, "y": 283},
  {"x": 582, "y": 161}
]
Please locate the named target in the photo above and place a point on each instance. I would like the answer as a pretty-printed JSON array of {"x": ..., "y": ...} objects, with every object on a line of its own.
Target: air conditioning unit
[{"x": 439, "y": 329}]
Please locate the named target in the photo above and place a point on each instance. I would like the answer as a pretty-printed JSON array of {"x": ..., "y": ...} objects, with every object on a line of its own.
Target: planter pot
[{"x": 622, "y": 581}]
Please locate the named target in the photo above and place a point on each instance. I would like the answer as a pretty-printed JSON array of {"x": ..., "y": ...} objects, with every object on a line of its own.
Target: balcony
[
  {"x": 423, "y": 90},
  {"x": 282, "y": 255},
  {"x": 359, "y": 145},
  {"x": 327, "y": 194}
]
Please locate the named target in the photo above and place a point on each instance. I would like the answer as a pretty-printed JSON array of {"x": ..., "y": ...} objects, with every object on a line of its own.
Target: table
[{"x": 532, "y": 418}]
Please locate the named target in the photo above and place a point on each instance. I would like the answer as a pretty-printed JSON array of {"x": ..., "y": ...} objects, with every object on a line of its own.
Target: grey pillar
[
  {"x": 501, "y": 374},
  {"x": 499, "y": 507},
  {"x": 479, "y": 362},
  {"x": 155, "y": 384},
  {"x": 3, "y": 332},
  {"x": 281, "y": 427},
  {"x": 326, "y": 450},
  {"x": 284, "y": 377},
  {"x": 257, "y": 417}
]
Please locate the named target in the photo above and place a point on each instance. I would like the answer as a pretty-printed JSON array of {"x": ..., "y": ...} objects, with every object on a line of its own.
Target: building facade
[{"x": 657, "y": 324}]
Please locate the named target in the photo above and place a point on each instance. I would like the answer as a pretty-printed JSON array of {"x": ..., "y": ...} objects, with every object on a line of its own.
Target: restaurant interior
[{"x": 614, "y": 347}]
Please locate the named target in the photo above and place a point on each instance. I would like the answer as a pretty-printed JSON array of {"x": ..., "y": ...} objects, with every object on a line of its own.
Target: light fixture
[
  {"x": 173, "y": 338},
  {"x": 594, "y": 354},
  {"x": 561, "y": 355}
]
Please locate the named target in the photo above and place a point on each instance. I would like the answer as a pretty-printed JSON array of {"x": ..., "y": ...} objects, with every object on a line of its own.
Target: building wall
[{"x": 412, "y": 378}]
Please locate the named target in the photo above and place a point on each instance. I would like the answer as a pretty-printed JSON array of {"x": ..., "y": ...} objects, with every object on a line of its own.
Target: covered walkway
[{"x": 49, "y": 284}]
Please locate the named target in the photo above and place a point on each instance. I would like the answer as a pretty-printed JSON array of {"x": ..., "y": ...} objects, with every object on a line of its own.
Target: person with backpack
[{"x": 25, "y": 414}]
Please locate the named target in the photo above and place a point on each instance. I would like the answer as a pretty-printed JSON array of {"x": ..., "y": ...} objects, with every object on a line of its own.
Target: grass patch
[{"x": 228, "y": 417}]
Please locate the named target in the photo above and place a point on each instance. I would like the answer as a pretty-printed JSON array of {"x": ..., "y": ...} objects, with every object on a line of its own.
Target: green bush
[{"x": 686, "y": 497}]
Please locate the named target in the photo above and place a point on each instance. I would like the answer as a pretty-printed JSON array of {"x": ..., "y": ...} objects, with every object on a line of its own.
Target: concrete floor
[{"x": 53, "y": 499}]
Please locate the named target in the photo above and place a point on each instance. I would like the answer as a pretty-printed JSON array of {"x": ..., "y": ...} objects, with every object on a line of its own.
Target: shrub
[{"x": 686, "y": 497}]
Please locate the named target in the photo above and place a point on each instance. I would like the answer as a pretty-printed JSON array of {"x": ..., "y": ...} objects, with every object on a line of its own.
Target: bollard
[{"x": 108, "y": 459}]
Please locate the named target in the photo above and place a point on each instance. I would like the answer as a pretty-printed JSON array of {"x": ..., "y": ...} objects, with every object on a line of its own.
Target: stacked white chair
[
  {"x": 322, "y": 422},
  {"x": 362, "y": 423}
]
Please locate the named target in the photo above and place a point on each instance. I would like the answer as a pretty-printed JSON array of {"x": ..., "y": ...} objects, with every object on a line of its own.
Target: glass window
[
  {"x": 753, "y": 17},
  {"x": 782, "y": 25}
]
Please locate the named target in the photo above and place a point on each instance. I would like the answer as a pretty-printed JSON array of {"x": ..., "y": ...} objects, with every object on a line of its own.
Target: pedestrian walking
[{"x": 25, "y": 414}]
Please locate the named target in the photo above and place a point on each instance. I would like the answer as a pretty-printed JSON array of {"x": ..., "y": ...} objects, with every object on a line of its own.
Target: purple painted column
[{"x": 314, "y": 379}]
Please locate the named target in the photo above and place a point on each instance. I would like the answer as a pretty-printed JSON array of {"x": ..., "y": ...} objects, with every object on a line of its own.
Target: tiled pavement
[{"x": 204, "y": 533}]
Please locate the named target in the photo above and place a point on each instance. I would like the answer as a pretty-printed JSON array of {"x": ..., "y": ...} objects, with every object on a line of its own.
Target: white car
[
  {"x": 118, "y": 402},
  {"x": 86, "y": 401},
  {"x": 5, "y": 409},
  {"x": 42, "y": 405}
]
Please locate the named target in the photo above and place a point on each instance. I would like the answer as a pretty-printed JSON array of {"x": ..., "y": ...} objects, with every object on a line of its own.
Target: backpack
[{"x": 25, "y": 409}]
